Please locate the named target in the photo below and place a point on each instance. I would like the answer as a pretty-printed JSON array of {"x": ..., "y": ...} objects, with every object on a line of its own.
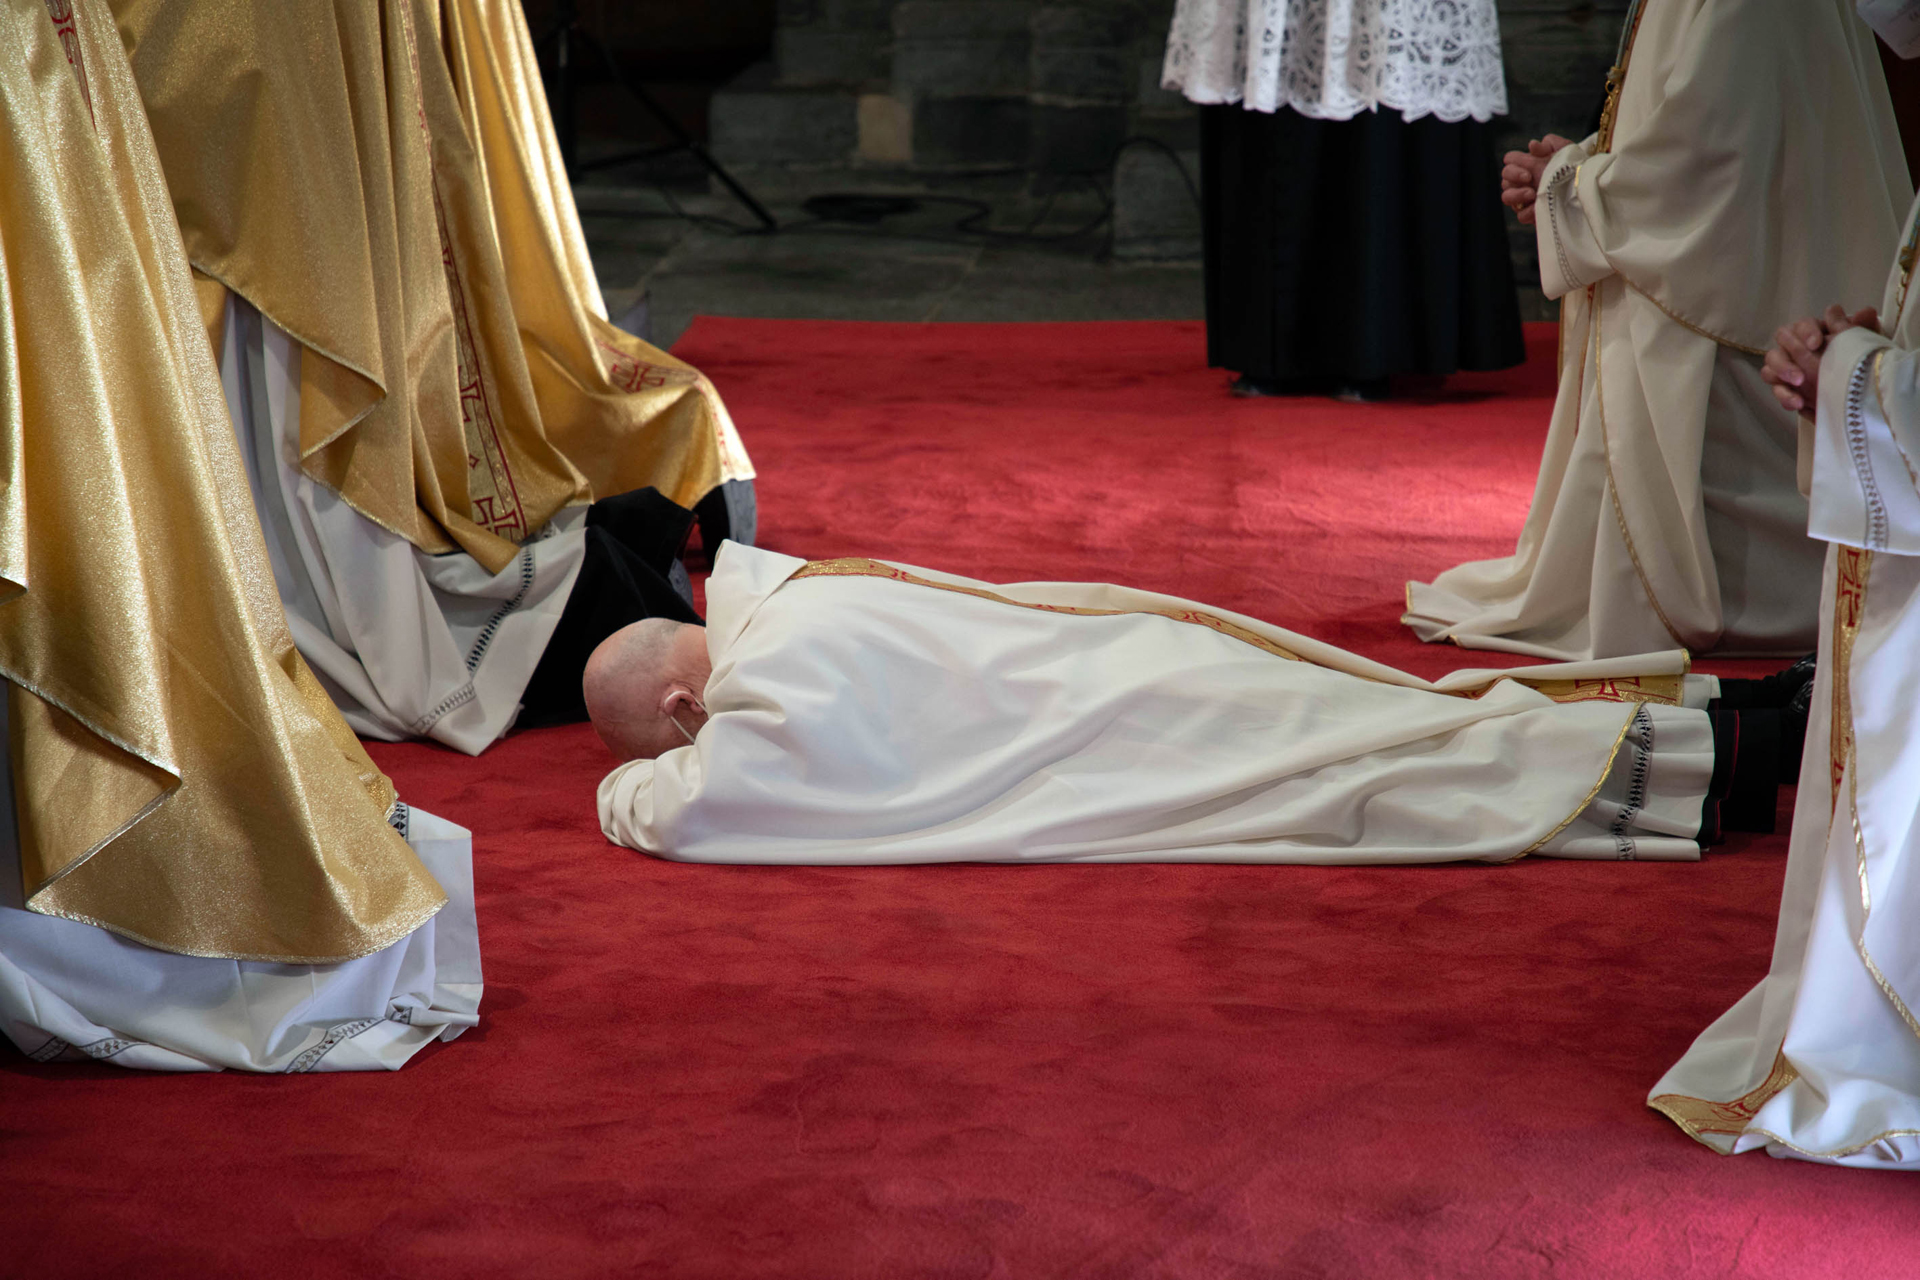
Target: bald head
[{"x": 643, "y": 677}]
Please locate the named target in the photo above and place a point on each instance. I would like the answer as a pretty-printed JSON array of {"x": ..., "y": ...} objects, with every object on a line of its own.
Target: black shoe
[
  {"x": 1776, "y": 690},
  {"x": 1792, "y": 682}
]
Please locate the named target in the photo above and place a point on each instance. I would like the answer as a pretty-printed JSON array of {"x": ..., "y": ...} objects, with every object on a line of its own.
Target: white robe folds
[
  {"x": 407, "y": 644},
  {"x": 1821, "y": 1060},
  {"x": 871, "y": 713},
  {"x": 1666, "y": 510},
  {"x": 74, "y": 992}
]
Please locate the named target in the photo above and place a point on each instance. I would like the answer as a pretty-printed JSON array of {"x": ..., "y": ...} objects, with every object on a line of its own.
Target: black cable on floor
[{"x": 867, "y": 212}]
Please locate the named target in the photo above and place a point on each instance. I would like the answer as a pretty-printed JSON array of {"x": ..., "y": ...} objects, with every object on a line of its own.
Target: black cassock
[{"x": 1352, "y": 250}]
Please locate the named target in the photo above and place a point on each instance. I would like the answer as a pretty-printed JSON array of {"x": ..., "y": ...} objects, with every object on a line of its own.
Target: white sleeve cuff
[
  {"x": 1865, "y": 491},
  {"x": 1570, "y": 256}
]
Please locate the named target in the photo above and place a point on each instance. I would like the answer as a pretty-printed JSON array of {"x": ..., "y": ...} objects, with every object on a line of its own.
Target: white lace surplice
[{"x": 1332, "y": 59}]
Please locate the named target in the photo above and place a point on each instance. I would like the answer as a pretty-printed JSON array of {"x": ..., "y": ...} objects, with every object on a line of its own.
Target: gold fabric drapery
[
  {"x": 378, "y": 178},
  {"x": 624, "y": 412},
  {"x": 180, "y": 777}
]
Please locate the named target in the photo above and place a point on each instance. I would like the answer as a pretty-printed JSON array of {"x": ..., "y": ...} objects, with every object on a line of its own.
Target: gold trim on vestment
[
  {"x": 1909, "y": 253},
  {"x": 1665, "y": 690},
  {"x": 1685, "y": 323},
  {"x": 372, "y": 943},
  {"x": 1603, "y": 143},
  {"x": 861, "y": 567},
  {"x": 1837, "y": 1153},
  {"x": 1698, "y": 1116},
  {"x": 1853, "y": 570},
  {"x": 1851, "y": 566},
  {"x": 180, "y": 777},
  {"x": 1613, "y": 488},
  {"x": 1613, "y": 754},
  {"x": 1617, "y": 78}
]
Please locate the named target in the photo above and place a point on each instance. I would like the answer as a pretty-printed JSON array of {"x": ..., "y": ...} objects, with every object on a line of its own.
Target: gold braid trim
[
  {"x": 1685, "y": 323},
  {"x": 1909, "y": 254},
  {"x": 1853, "y": 569},
  {"x": 1617, "y": 79},
  {"x": 1851, "y": 566},
  {"x": 1633, "y": 713},
  {"x": 1613, "y": 489},
  {"x": 1665, "y": 690},
  {"x": 1700, "y": 1116}
]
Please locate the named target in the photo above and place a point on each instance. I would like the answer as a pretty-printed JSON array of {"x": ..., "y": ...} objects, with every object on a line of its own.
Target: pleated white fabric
[
  {"x": 74, "y": 992},
  {"x": 407, "y": 644},
  {"x": 863, "y": 719},
  {"x": 1821, "y": 1060}
]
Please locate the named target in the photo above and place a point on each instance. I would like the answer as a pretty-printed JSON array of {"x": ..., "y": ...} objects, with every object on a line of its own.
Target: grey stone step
[{"x": 756, "y": 120}]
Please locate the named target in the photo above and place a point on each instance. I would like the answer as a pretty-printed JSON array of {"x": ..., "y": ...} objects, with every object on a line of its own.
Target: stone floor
[{"x": 1029, "y": 265}]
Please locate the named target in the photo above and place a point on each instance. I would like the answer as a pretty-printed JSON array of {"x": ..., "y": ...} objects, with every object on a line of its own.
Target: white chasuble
[
  {"x": 1821, "y": 1060},
  {"x": 870, "y": 713},
  {"x": 1666, "y": 510}
]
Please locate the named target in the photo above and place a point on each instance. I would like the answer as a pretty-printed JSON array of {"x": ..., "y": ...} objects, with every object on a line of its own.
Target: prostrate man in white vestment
[
  {"x": 852, "y": 711},
  {"x": 447, "y": 442},
  {"x": 1747, "y": 168},
  {"x": 199, "y": 865},
  {"x": 1821, "y": 1060}
]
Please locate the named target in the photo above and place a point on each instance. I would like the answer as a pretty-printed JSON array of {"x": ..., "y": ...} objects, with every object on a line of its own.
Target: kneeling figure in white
[{"x": 1821, "y": 1059}]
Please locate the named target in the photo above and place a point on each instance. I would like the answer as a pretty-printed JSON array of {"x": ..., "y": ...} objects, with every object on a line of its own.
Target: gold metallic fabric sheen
[
  {"x": 624, "y": 412},
  {"x": 180, "y": 776},
  {"x": 377, "y": 177}
]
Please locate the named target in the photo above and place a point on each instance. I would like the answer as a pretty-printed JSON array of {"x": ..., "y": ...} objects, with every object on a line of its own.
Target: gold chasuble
[
  {"x": 179, "y": 776},
  {"x": 624, "y": 412},
  {"x": 379, "y": 179}
]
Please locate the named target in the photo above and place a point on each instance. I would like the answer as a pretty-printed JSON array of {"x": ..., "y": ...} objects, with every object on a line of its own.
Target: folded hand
[
  {"x": 1520, "y": 178},
  {"x": 1792, "y": 368}
]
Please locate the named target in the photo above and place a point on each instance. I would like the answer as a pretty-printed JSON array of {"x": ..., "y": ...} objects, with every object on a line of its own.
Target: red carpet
[{"x": 1209, "y": 1072}]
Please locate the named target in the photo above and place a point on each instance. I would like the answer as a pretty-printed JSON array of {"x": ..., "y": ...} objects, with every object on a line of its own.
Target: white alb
[{"x": 1332, "y": 59}]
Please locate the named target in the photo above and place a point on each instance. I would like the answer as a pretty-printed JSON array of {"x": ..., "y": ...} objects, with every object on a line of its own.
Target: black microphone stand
[{"x": 569, "y": 40}]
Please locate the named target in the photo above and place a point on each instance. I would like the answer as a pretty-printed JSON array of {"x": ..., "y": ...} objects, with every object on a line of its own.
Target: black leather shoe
[
  {"x": 1783, "y": 686},
  {"x": 1774, "y": 691}
]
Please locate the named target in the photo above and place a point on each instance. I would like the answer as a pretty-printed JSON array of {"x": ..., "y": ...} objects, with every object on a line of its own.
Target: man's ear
[{"x": 677, "y": 695}]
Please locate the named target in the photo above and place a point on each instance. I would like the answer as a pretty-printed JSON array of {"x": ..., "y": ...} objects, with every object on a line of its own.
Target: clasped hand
[
  {"x": 1520, "y": 178},
  {"x": 1792, "y": 368}
]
